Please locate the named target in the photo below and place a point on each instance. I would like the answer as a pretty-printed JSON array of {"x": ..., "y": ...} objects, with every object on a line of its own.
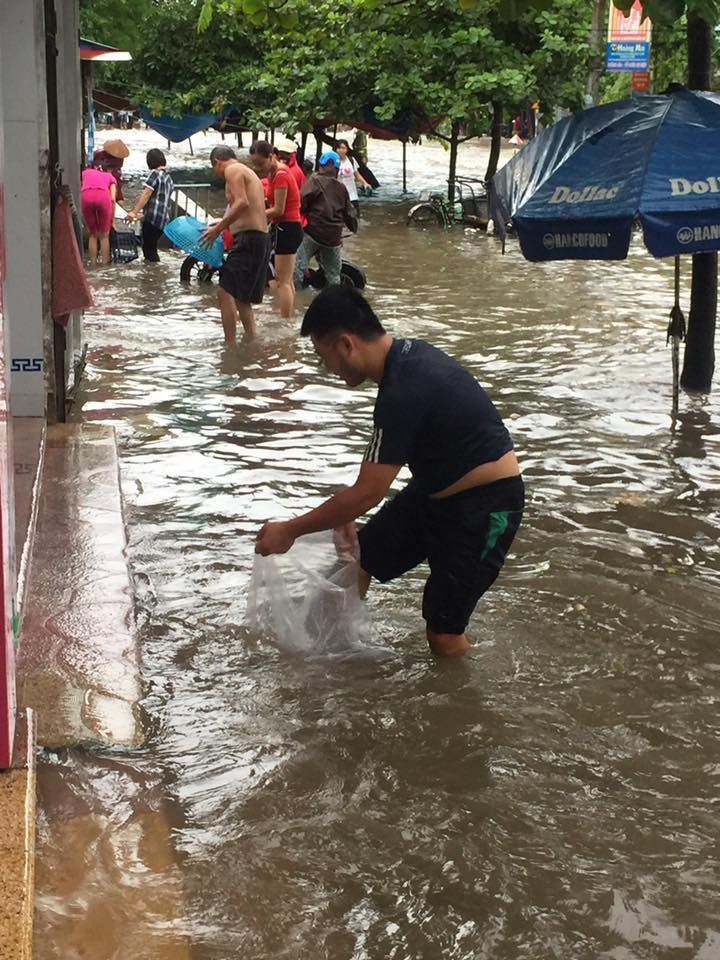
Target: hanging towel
[{"x": 70, "y": 290}]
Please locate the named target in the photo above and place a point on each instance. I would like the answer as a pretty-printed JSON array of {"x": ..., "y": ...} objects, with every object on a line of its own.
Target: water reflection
[{"x": 553, "y": 795}]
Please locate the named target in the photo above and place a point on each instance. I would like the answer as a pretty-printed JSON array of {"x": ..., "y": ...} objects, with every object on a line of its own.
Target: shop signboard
[{"x": 628, "y": 43}]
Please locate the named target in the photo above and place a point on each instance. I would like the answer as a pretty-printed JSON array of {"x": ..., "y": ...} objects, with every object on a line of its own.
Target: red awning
[{"x": 91, "y": 50}]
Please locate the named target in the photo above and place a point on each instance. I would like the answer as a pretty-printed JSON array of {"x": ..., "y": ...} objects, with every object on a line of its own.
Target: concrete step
[
  {"x": 17, "y": 845},
  {"x": 78, "y": 664}
]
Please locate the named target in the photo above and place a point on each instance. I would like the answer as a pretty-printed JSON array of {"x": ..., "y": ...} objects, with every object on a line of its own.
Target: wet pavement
[{"x": 554, "y": 794}]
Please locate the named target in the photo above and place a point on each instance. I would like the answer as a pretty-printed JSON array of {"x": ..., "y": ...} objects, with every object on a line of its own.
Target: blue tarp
[
  {"x": 575, "y": 191},
  {"x": 179, "y": 128}
]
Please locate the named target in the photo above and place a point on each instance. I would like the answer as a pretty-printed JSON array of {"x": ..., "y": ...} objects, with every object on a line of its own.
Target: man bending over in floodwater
[
  {"x": 463, "y": 506},
  {"x": 244, "y": 277}
]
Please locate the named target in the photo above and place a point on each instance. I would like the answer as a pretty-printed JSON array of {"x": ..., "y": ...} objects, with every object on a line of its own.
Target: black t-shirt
[{"x": 433, "y": 415}]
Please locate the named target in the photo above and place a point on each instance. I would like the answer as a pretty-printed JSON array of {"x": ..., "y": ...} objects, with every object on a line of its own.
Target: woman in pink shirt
[{"x": 97, "y": 199}]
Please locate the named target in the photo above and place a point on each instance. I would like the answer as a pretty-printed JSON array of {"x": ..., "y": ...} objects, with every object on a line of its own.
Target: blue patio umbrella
[{"x": 576, "y": 191}]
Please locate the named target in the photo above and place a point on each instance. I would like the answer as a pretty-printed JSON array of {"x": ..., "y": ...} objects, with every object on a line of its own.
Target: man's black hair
[
  {"x": 341, "y": 309},
  {"x": 155, "y": 158},
  {"x": 222, "y": 152},
  {"x": 263, "y": 148}
]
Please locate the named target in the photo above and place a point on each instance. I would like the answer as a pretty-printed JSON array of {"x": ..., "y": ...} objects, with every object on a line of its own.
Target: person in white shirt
[{"x": 348, "y": 175}]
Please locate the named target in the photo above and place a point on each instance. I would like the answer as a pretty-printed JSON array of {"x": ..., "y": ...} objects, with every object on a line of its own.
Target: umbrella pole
[
  {"x": 676, "y": 332},
  {"x": 676, "y": 375}
]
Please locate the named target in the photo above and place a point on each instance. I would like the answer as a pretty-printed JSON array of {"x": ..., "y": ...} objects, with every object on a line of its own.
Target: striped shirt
[{"x": 157, "y": 209}]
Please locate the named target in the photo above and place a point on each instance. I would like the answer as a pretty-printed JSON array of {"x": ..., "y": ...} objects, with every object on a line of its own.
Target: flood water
[{"x": 554, "y": 794}]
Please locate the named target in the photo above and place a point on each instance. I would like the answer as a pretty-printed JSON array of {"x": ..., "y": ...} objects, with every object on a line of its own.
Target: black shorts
[
  {"x": 288, "y": 237},
  {"x": 464, "y": 539},
  {"x": 244, "y": 275}
]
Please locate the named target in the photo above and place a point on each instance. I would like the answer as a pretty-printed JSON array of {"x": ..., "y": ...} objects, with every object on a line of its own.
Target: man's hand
[
  {"x": 210, "y": 236},
  {"x": 346, "y": 541},
  {"x": 274, "y": 538},
  {"x": 130, "y": 217}
]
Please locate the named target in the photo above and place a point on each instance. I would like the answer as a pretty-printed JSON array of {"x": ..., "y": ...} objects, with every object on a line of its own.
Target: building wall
[
  {"x": 27, "y": 200},
  {"x": 30, "y": 181},
  {"x": 7, "y": 515},
  {"x": 27, "y": 365}
]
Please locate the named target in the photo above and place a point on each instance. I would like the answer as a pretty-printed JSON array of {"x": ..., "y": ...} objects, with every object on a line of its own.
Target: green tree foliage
[
  {"x": 668, "y": 11},
  {"x": 117, "y": 23},
  {"x": 659, "y": 11},
  {"x": 182, "y": 70},
  {"x": 323, "y": 66},
  {"x": 669, "y": 54},
  {"x": 277, "y": 14},
  {"x": 422, "y": 58},
  {"x": 285, "y": 63}
]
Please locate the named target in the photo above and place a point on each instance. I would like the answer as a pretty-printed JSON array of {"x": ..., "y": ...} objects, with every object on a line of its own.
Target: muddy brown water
[{"x": 555, "y": 794}]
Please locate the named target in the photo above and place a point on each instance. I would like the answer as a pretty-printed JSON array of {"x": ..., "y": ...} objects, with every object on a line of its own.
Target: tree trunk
[
  {"x": 319, "y": 133},
  {"x": 495, "y": 140},
  {"x": 303, "y": 147},
  {"x": 596, "y": 60},
  {"x": 454, "y": 141},
  {"x": 699, "y": 360}
]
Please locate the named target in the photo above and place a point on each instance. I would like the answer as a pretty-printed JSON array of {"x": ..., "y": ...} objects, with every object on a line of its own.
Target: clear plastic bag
[{"x": 307, "y": 599}]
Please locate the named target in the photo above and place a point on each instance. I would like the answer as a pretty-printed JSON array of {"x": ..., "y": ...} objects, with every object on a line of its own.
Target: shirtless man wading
[{"x": 244, "y": 276}]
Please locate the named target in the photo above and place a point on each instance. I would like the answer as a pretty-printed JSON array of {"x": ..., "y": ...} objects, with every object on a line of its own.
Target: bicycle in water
[{"x": 470, "y": 207}]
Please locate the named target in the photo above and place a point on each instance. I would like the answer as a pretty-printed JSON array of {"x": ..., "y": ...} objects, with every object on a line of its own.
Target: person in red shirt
[
  {"x": 287, "y": 154},
  {"x": 284, "y": 214},
  {"x": 286, "y": 151}
]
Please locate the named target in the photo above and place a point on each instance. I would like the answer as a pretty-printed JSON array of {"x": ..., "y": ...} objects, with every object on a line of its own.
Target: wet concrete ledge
[
  {"x": 78, "y": 665},
  {"x": 17, "y": 845}
]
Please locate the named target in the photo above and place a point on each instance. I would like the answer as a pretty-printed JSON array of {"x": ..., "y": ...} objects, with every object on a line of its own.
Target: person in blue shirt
[{"x": 464, "y": 504}]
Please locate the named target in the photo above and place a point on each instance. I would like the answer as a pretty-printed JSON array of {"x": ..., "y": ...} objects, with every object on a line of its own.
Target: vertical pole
[
  {"x": 454, "y": 140},
  {"x": 319, "y": 133},
  {"x": 404, "y": 145},
  {"x": 699, "y": 359},
  {"x": 192, "y": 152},
  {"x": 59, "y": 338},
  {"x": 495, "y": 139},
  {"x": 676, "y": 345},
  {"x": 596, "y": 42},
  {"x": 84, "y": 68}
]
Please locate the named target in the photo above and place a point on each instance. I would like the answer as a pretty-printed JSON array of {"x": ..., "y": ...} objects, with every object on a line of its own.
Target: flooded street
[{"x": 555, "y": 794}]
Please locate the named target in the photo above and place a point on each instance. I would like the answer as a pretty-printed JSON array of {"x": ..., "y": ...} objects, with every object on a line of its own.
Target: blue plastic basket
[{"x": 185, "y": 232}]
